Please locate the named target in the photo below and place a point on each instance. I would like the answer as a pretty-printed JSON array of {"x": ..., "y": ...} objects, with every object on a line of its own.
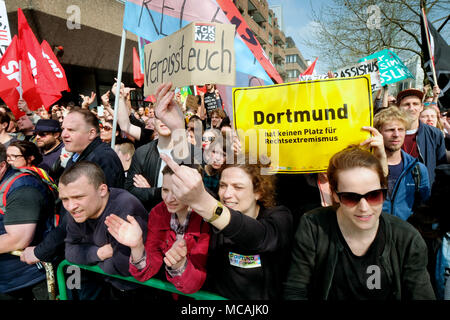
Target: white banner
[
  {"x": 359, "y": 69},
  {"x": 5, "y": 34}
]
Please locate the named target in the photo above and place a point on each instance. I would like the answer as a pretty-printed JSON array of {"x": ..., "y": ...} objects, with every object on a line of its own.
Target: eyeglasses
[
  {"x": 105, "y": 128},
  {"x": 13, "y": 157},
  {"x": 210, "y": 139},
  {"x": 42, "y": 134},
  {"x": 351, "y": 199},
  {"x": 426, "y": 104}
]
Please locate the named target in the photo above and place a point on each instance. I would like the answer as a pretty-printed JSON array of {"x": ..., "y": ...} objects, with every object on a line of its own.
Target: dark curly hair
[{"x": 28, "y": 149}]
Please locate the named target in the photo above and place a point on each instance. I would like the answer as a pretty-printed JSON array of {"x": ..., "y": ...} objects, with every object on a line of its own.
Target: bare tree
[{"x": 348, "y": 30}]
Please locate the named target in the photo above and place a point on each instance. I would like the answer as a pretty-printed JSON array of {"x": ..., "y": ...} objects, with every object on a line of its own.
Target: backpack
[{"x": 41, "y": 175}]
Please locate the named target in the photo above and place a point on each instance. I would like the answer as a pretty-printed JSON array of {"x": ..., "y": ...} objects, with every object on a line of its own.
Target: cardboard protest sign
[
  {"x": 391, "y": 67},
  {"x": 196, "y": 54},
  {"x": 366, "y": 67},
  {"x": 192, "y": 102},
  {"x": 300, "y": 125}
]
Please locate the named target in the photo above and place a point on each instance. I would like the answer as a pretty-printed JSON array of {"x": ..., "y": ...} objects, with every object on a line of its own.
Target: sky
[{"x": 298, "y": 24}]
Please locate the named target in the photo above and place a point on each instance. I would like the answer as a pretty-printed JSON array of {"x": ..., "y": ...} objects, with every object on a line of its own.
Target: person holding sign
[
  {"x": 251, "y": 236},
  {"x": 352, "y": 250}
]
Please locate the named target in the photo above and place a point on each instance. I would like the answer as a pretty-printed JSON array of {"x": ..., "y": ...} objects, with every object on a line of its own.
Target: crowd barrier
[{"x": 154, "y": 283}]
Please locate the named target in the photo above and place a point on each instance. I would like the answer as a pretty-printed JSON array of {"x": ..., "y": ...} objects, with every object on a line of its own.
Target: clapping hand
[{"x": 128, "y": 233}]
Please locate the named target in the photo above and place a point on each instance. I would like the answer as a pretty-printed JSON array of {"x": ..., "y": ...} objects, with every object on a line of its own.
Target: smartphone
[{"x": 100, "y": 111}]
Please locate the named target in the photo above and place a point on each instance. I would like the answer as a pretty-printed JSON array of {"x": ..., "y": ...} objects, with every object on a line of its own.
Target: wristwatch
[{"x": 218, "y": 209}]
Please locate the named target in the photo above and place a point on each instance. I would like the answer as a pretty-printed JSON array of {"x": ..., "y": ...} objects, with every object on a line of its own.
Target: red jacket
[{"x": 160, "y": 239}]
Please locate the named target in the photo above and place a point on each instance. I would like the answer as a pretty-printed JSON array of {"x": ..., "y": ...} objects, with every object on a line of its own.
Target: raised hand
[
  {"x": 105, "y": 98},
  {"x": 175, "y": 257},
  {"x": 376, "y": 142},
  {"x": 140, "y": 182},
  {"x": 166, "y": 109},
  {"x": 87, "y": 100},
  {"x": 128, "y": 233},
  {"x": 187, "y": 182}
]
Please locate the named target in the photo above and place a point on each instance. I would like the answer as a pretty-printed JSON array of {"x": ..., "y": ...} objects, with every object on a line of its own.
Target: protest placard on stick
[
  {"x": 300, "y": 125},
  {"x": 201, "y": 52}
]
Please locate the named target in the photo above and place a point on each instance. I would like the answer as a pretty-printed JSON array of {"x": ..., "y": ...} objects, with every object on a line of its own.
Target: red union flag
[
  {"x": 59, "y": 76},
  {"x": 10, "y": 78},
  {"x": 41, "y": 91}
]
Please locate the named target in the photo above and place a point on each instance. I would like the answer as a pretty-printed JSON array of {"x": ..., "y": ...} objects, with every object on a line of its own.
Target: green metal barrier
[{"x": 154, "y": 283}]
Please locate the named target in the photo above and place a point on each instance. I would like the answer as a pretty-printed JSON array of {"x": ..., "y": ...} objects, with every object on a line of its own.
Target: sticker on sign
[{"x": 205, "y": 33}]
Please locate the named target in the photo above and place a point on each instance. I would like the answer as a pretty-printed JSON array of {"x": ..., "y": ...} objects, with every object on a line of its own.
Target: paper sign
[
  {"x": 196, "y": 54},
  {"x": 366, "y": 67},
  {"x": 300, "y": 125},
  {"x": 391, "y": 68}
]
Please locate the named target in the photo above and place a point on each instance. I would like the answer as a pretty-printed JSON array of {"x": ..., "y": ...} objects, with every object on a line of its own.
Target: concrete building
[
  {"x": 295, "y": 63},
  {"x": 90, "y": 33},
  {"x": 267, "y": 27}
]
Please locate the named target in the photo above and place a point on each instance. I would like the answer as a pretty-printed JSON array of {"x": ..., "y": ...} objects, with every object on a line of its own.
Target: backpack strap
[
  {"x": 417, "y": 179},
  {"x": 5, "y": 186}
]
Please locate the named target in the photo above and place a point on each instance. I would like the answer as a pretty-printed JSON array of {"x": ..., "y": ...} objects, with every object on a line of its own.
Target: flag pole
[
  {"x": 425, "y": 21},
  {"x": 119, "y": 83}
]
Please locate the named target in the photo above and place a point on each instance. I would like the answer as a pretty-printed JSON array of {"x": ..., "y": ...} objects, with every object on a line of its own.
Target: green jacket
[{"x": 316, "y": 250}]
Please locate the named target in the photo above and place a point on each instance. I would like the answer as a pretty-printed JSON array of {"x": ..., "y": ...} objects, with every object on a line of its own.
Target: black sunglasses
[
  {"x": 351, "y": 199},
  {"x": 42, "y": 134}
]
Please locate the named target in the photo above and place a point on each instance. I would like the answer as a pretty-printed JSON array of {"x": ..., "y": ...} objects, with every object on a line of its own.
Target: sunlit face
[
  {"x": 82, "y": 200},
  {"x": 46, "y": 140},
  {"x": 75, "y": 134},
  {"x": 412, "y": 105},
  {"x": 172, "y": 204},
  {"x": 429, "y": 116},
  {"x": 15, "y": 158},
  {"x": 24, "y": 124},
  {"x": 216, "y": 156},
  {"x": 215, "y": 120},
  {"x": 106, "y": 132},
  {"x": 207, "y": 138},
  {"x": 393, "y": 133},
  {"x": 161, "y": 128},
  {"x": 236, "y": 191},
  {"x": 362, "y": 216}
]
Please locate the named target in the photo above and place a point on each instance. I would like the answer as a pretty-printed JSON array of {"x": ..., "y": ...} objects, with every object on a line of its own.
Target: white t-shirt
[{"x": 167, "y": 152}]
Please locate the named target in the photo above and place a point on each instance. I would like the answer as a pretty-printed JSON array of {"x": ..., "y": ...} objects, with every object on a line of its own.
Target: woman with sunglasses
[{"x": 353, "y": 251}]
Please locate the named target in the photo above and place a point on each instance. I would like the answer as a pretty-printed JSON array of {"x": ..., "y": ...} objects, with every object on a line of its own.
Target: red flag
[
  {"x": 310, "y": 69},
  {"x": 10, "y": 88},
  {"x": 138, "y": 76},
  {"x": 42, "y": 90},
  {"x": 59, "y": 76}
]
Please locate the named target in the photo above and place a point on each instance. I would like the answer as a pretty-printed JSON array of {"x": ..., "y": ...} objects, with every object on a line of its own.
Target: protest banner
[
  {"x": 365, "y": 67},
  {"x": 198, "y": 53},
  {"x": 5, "y": 34},
  {"x": 300, "y": 125},
  {"x": 391, "y": 67}
]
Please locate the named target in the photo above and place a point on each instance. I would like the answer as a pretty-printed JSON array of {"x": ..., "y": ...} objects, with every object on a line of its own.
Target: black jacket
[
  {"x": 102, "y": 154},
  {"x": 265, "y": 241},
  {"x": 316, "y": 251},
  {"x": 146, "y": 161}
]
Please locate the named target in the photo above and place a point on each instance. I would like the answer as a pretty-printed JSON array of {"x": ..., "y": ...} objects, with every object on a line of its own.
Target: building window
[
  {"x": 270, "y": 56},
  {"x": 270, "y": 38}
]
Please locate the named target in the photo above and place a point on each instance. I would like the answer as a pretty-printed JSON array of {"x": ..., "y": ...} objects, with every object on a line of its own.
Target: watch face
[{"x": 219, "y": 211}]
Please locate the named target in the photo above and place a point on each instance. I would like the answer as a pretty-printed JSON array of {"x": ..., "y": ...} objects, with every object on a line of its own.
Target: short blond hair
[
  {"x": 126, "y": 148},
  {"x": 389, "y": 114}
]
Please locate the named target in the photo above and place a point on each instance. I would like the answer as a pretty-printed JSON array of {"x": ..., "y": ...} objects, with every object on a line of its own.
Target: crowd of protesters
[{"x": 193, "y": 209}]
